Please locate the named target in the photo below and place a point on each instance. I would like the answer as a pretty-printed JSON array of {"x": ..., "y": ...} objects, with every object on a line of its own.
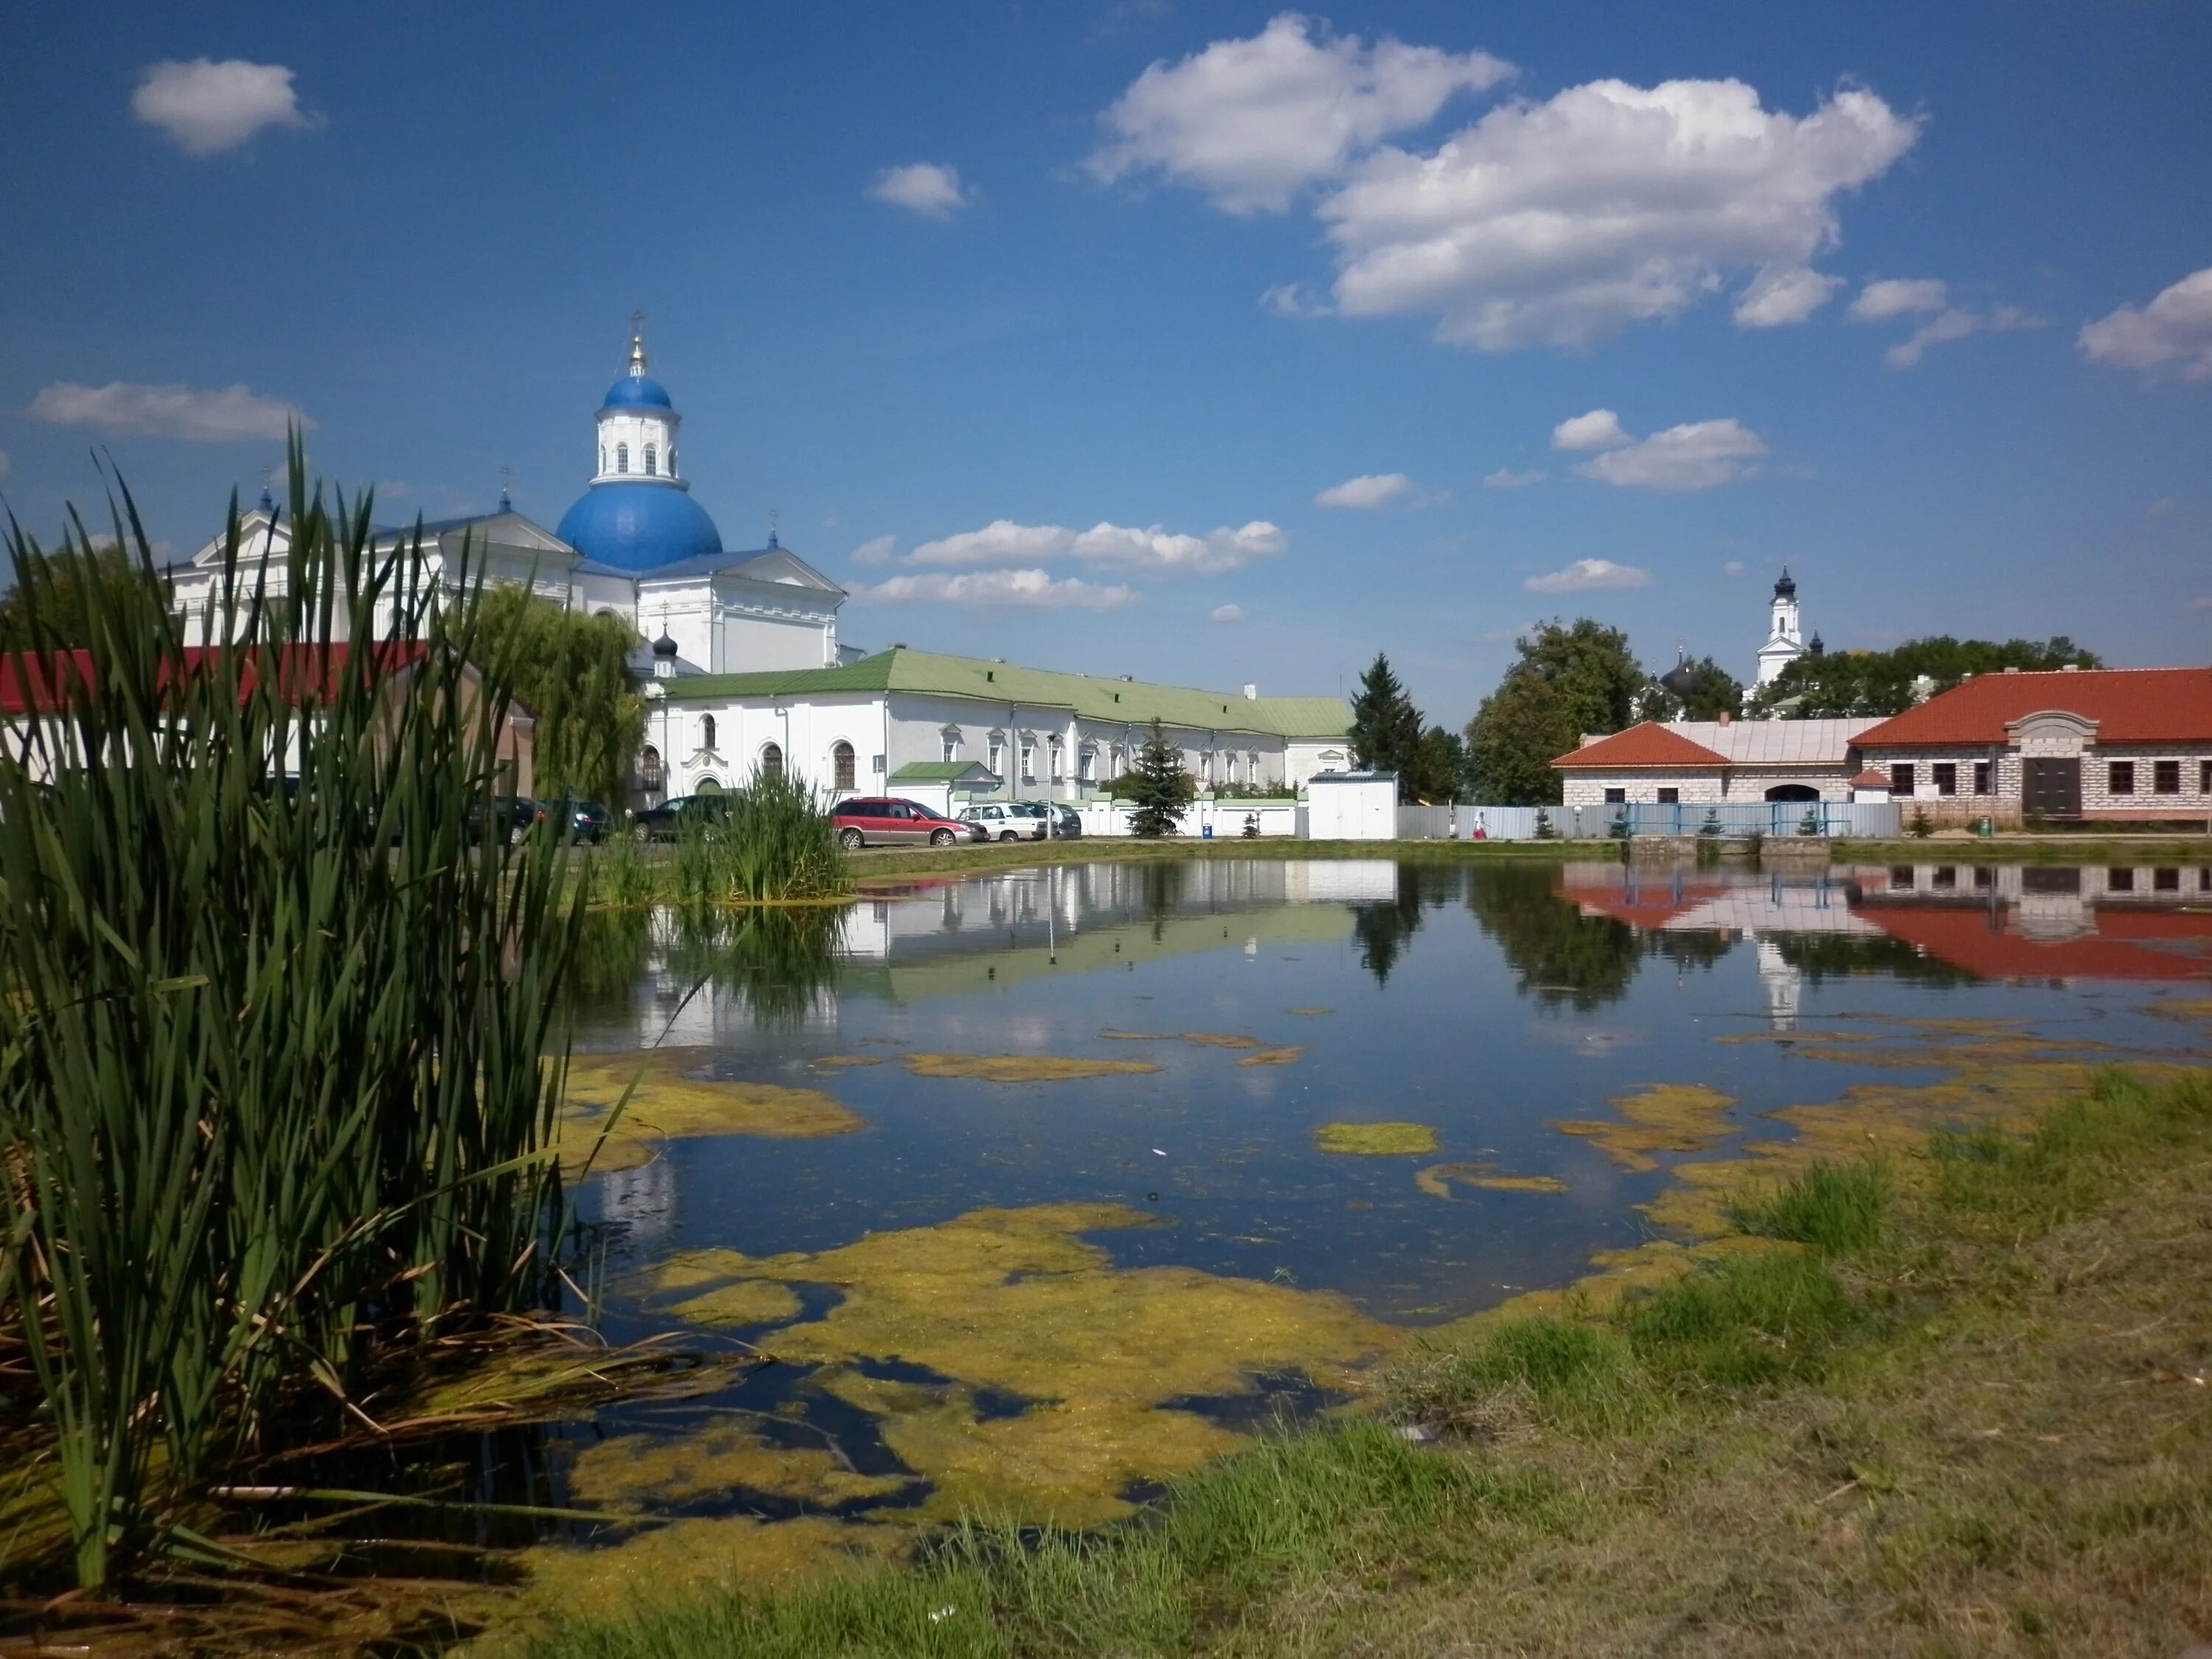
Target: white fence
[
  {"x": 1858, "y": 820},
  {"x": 1220, "y": 820}
]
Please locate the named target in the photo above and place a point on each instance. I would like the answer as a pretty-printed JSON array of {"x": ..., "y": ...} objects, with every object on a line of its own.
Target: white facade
[{"x": 1784, "y": 642}]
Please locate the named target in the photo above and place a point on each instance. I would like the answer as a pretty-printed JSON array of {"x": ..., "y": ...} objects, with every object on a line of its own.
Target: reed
[
  {"x": 272, "y": 1108},
  {"x": 775, "y": 844}
]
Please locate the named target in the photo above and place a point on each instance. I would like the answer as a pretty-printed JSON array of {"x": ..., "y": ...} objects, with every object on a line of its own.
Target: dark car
[
  {"x": 876, "y": 821},
  {"x": 1066, "y": 824},
  {"x": 672, "y": 818},
  {"x": 586, "y": 819},
  {"x": 512, "y": 816}
]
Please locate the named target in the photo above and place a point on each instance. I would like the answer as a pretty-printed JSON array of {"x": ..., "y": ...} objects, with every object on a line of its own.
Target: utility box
[{"x": 1352, "y": 806}]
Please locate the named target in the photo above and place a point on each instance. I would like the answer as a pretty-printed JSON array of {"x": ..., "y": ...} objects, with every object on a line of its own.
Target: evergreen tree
[
  {"x": 1159, "y": 788},
  {"x": 1571, "y": 678},
  {"x": 1386, "y": 727}
]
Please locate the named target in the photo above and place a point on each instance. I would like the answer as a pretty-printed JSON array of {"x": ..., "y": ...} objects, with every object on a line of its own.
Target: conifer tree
[
  {"x": 1159, "y": 788},
  {"x": 1386, "y": 727}
]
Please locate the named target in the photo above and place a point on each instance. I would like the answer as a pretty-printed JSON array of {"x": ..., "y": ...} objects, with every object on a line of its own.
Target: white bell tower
[
  {"x": 1784, "y": 644},
  {"x": 637, "y": 425}
]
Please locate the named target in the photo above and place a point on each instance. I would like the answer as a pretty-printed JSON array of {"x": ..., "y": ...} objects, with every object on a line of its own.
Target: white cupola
[{"x": 637, "y": 425}]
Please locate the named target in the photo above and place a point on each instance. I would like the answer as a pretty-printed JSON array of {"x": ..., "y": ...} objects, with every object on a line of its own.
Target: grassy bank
[
  {"x": 2029, "y": 850},
  {"x": 874, "y": 863},
  {"x": 1956, "y": 1403}
]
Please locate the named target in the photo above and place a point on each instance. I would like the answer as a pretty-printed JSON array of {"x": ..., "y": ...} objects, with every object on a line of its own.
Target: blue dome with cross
[{"x": 638, "y": 514}]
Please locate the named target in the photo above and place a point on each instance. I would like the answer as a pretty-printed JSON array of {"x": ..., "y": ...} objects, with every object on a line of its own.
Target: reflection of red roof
[
  {"x": 48, "y": 682},
  {"x": 1871, "y": 778},
  {"x": 2129, "y": 705},
  {"x": 1648, "y": 745},
  {"x": 1644, "y": 904},
  {"x": 2120, "y": 948}
]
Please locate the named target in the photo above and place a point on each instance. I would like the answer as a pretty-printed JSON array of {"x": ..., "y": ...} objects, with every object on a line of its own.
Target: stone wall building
[{"x": 1710, "y": 762}]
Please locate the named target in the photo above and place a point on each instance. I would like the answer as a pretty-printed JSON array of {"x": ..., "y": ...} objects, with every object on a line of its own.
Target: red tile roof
[
  {"x": 1871, "y": 778},
  {"x": 2129, "y": 705},
  {"x": 46, "y": 683},
  {"x": 1648, "y": 745}
]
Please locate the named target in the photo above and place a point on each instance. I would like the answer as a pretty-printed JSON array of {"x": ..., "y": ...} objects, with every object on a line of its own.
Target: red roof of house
[
  {"x": 46, "y": 683},
  {"x": 2129, "y": 705},
  {"x": 1648, "y": 745},
  {"x": 1871, "y": 778}
]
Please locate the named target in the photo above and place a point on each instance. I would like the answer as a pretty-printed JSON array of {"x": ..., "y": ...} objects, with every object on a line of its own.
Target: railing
[{"x": 1734, "y": 821}]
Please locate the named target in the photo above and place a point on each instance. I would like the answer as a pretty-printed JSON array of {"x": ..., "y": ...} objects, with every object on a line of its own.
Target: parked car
[
  {"x": 513, "y": 817},
  {"x": 672, "y": 818},
  {"x": 1010, "y": 820},
  {"x": 586, "y": 819},
  {"x": 1066, "y": 824},
  {"x": 876, "y": 821}
]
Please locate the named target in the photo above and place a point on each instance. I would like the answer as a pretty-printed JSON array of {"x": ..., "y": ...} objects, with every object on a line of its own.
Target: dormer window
[
  {"x": 651, "y": 460},
  {"x": 621, "y": 457}
]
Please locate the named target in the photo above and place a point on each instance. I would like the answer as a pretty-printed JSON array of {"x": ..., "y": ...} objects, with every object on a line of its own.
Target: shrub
[{"x": 1838, "y": 1209}]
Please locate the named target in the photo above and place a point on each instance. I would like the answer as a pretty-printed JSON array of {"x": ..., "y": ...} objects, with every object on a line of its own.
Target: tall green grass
[
  {"x": 271, "y": 1099},
  {"x": 775, "y": 844}
]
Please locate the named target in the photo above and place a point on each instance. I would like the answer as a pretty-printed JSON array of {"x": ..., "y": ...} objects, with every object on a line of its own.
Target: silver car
[{"x": 1010, "y": 820}]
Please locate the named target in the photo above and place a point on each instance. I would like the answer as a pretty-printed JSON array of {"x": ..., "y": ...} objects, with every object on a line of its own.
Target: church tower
[
  {"x": 1784, "y": 644},
  {"x": 638, "y": 514}
]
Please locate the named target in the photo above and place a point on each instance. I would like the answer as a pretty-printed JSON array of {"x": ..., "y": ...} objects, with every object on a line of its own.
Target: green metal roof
[
  {"x": 1005, "y": 685},
  {"x": 943, "y": 772}
]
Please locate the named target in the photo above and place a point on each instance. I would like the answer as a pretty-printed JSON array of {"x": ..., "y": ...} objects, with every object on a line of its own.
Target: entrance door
[{"x": 2052, "y": 788}]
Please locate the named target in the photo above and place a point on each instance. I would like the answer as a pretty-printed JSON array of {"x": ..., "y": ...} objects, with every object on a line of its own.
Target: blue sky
[{"x": 1046, "y": 327}]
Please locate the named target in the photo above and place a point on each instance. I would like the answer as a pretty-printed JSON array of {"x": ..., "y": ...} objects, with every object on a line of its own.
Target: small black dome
[
  {"x": 1681, "y": 679},
  {"x": 1785, "y": 589},
  {"x": 664, "y": 646}
]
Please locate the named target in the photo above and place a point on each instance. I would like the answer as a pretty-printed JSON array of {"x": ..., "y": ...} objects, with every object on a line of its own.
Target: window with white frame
[
  {"x": 651, "y": 460},
  {"x": 771, "y": 760},
  {"x": 996, "y": 744},
  {"x": 621, "y": 457},
  {"x": 843, "y": 769},
  {"x": 1052, "y": 758},
  {"x": 706, "y": 731},
  {"x": 1086, "y": 763},
  {"x": 949, "y": 744},
  {"x": 1029, "y": 760}
]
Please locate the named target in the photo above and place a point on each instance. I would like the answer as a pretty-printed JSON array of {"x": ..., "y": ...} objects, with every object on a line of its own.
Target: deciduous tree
[
  {"x": 1570, "y": 679},
  {"x": 572, "y": 672}
]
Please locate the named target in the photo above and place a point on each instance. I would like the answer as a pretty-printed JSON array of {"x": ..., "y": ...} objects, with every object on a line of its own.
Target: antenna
[
  {"x": 507, "y": 489},
  {"x": 775, "y": 524}
]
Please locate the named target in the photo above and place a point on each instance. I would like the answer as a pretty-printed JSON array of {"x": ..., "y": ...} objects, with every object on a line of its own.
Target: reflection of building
[
  {"x": 1785, "y": 983},
  {"x": 1710, "y": 762},
  {"x": 2044, "y": 921},
  {"x": 2109, "y": 744}
]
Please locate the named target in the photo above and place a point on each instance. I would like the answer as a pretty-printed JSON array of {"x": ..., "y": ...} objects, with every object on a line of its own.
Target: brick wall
[{"x": 2002, "y": 802}]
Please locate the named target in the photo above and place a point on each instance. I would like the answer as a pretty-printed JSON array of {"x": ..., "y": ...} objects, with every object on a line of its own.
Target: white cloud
[
  {"x": 1733, "y": 568},
  {"x": 2157, "y": 509},
  {"x": 1026, "y": 589},
  {"x": 923, "y": 187},
  {"x": 1599, "y": 429},
  {"x": 875, "y": 550},
  {"x": 1369, "y": 490},
  {"x": 1109, "y": 546},
  {"x": 1782, "y": 295},
  {"x": 1226, "y": 613},
  {"x": 1897, "y": 296},
  {"x": 1956, "y": 324},
  {"x": 2175, "y": 328},
  {"x": 1588, "y": 576},
  {"x": 123, "y": 410},
  {"x": 207, "y": 107},
  {"x": 1506, "y": 478},
  {"x": 1291, "y": 300},
  {"x": 1681, "y": 458},
  {"x": 1253, "y": 122},
  {"x": 1556, "y": 223}
]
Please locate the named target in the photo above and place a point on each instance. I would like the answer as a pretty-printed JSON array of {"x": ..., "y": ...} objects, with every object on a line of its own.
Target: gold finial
[{"x": 637, "y": 343}]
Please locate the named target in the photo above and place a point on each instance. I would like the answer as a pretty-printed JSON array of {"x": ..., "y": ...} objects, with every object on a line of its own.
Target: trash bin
[
  {"x": 1985, "y": 827},
  {"x": 1206, "y": 830}
]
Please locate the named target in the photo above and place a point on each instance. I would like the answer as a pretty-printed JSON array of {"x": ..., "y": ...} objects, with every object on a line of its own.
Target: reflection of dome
[
  {"x": 635, "y": 391},
  {"x": 638, "y": 526}
]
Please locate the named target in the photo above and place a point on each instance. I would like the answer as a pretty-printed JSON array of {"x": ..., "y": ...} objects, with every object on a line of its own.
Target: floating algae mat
[
  {"x": 1017, "y": 1303},
  {"x": 666, "y": 1099},
  {"x": 1189, "y": 1198},
  {"x": 1375, "y": 1140}
]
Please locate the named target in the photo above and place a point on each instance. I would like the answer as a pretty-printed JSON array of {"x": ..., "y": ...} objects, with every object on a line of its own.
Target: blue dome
[
  {"x": 639, "y": 525},
  {"x": 637, "y": 392}
]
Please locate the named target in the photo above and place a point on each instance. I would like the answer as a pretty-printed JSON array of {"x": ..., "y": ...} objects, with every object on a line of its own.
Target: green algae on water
[
  {"x": 1375, "y": 1140},
  {"x": 653, "y": 1471},
  {"x": 1665, "y": 1117},
  {"x": 1016, "y": 1302},
  {"x": 1438, "y": 1180},
  {"x": 667, "y": 1102},
  {"x": 1287, "y": 1056}
]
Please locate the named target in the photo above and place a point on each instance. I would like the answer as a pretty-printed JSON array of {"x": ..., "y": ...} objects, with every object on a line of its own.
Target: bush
[
  {"x": 1838, "y": 1209},
  {"x": 1739, "y": 1323}
]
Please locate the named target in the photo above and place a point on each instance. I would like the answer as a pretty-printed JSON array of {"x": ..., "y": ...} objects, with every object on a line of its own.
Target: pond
[{"x": 1042, "y": 1186}]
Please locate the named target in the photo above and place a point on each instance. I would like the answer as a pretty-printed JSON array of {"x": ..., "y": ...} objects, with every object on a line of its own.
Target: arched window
[
  {"x": 709, "y": 785},
  {"x": 841, "y": 771},
  {"x": 652, "y": 460},
  {"x": 706, "y": 731},
  {"x": 648, "y": 769},
  {"x": 621, "y": 457},
  {"x": 771, "y": 760}
]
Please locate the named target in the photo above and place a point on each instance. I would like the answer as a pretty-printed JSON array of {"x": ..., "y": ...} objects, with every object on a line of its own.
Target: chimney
[{"x": 1251, "y": 691}]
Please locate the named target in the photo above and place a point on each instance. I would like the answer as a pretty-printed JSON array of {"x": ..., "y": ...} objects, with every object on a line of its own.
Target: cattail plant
[{"x": 273, "y": 1108}]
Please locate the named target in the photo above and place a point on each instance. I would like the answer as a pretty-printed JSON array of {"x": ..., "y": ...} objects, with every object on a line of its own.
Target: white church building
[
  {"x": 635, "y": 545},
  {"x": 746, "y": 671}
]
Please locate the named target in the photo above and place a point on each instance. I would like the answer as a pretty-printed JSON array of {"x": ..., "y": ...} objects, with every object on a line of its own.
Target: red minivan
[{"x": 873, "y": 821}]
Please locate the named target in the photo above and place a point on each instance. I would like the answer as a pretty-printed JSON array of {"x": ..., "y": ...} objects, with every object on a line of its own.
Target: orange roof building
[
  {"x": 1710, "y": 762},
  {"x": 2113, "y": 744}
]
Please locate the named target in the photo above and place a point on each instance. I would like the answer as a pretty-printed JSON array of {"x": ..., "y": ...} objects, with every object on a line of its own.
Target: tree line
[{"x": 1569, "y": 680}]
